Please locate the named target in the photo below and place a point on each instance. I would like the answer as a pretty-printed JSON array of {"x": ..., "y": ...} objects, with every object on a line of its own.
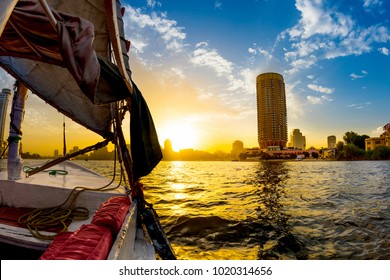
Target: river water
[{"x": 271, "y": 210}]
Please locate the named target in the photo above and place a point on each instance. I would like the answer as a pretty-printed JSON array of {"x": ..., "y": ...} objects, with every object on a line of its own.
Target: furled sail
[{"x": 67, "y": 65}]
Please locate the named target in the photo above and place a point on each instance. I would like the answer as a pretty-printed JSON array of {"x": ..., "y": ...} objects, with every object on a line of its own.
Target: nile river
[{"x": 271, "y": 210}]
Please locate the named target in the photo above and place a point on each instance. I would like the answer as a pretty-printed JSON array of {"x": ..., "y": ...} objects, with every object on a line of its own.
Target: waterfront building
[
  {"x": 75, "y": 149},
  {"x": 331, "y": 142},
  {"x": 297, "y": 140},
  {"x": 271, "y": 110},
  {"x": 4, "y": 98},
  {"x": 382, "y": 140},
  {"x": 168, "y": 152},
  {"x": 237, "y": 149},
  {"x": 168, "y": 146}
]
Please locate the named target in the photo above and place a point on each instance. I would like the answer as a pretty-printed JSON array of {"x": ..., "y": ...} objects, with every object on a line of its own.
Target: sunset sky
[{"x": 196, "y": 64}]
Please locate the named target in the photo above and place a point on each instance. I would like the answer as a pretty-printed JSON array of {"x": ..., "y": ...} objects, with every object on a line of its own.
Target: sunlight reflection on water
[
  {"x": 271, "y": 210},
  {"x": 276, "y": 210}
]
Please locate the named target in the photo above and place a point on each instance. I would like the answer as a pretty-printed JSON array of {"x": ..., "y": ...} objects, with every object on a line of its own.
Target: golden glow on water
[
  {"x": 187, "y": 253},
  {"x": 273, "y": 210}
]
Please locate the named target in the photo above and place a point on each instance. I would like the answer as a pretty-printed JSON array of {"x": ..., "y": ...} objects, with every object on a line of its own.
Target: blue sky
[
  {"x": 196, "y": 63},
  {"x": 334, "y": 56}
]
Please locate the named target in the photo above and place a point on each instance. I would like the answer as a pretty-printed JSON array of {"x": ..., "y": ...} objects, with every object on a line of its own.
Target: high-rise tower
[
  {"x": 4, "y": 97},
  {"x": 297, "y": 140},
  {"x": 271, "y": 110}
]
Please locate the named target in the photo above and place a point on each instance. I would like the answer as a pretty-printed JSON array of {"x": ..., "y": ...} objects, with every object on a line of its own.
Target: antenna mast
[{"x": 64, "y": 137}]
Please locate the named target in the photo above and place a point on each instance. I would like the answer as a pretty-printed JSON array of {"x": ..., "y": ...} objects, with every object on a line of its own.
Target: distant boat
[
  {"x": 300, "y": 157},
  {"x": 73, "y": 55}
]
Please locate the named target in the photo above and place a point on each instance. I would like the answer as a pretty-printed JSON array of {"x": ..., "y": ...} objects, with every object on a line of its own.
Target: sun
[{"x": 183, "y": 135}]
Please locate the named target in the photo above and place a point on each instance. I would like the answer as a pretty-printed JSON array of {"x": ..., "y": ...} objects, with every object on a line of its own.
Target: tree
[
  {"x": 351, "y": 152},
  {"x": 360, "y": 141},
  {"x": 380, "y": 153},
  {"x": 340, "y": 146},
  {"x": 350, "y": 137}
]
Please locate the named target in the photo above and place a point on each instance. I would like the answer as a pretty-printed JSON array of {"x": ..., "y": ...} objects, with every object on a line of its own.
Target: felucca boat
[{"x": 73, "y": 55}]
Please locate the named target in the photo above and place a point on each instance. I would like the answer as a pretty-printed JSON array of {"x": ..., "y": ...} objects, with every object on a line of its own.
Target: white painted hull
[{"x": 42, "y": 190}]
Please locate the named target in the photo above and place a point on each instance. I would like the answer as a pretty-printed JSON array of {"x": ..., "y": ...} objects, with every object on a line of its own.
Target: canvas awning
[{"x": 68, "y": 65}]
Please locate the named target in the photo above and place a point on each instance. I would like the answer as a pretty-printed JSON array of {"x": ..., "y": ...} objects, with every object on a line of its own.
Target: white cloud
[
  {"x": 320, "y": 89},
  {"x": 162, "y": 48},
  {"x": 370, "y": 3},
  {"x": 358, "y": 76},
  {"x": 212, "y": 59},
  {"x": 318, "y": 100},
  {"x": 355, "y": 76},
  {"x": 138, "y": 45},
  {"x": 201, "y": 44},
  {"x": 218, "y": 4},
  {"x": 6, "y": 80},
  {"x": 373, "y": 5},
  {"x": 325, "y": 94},
  {"x": 359, "y": 106},
  {"x": 178, "y": 72},
  {"x": 377, "y": 131},
  {"x": 294, "y": 100},
  {"x": 301, "y": 64},
  {"x": 384, "y": 50},
  {"x": 317, "y": 20},
  {"x": 153, "y": 3},
  {"x": 361, "y": 41},
  {"x": 157, "y": 24},
  {"x": 315, "y": 100},
  {"x": 325, "y": 33},
  {"x": 255, "y": 50}
]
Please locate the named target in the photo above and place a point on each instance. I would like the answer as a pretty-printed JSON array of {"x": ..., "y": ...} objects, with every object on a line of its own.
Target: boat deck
[
  {"x": 76, "y": 175},
  {"x": 43, "y": 190}
]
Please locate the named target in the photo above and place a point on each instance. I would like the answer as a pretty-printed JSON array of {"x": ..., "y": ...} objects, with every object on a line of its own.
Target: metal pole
[{"x": 15, "y": 132}]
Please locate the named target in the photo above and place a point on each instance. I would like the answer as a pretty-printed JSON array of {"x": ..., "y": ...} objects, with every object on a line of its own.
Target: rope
[
  {"x": 58, "y": 217},
  {"x": 52, "y": 172},
  {"x": 51, "y": 218},
  {"x": 11, "y": 139},
  {"x": 5, "y": 149}
]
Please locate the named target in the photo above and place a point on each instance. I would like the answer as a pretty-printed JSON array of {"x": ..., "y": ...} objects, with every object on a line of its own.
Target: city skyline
[{"x": 196, "y": 64}]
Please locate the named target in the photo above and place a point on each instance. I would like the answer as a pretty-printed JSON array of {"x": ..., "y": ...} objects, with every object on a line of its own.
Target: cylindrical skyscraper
[{"x": 271, "y": 110}]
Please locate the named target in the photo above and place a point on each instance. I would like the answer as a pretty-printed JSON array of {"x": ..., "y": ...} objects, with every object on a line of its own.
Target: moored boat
[{"x": 73, "y": 212}]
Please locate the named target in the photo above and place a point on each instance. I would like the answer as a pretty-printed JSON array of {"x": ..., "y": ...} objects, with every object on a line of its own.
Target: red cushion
[
  {"x": 112, "y": 213},
  {"x": 89, "y": 242},
  {"x": 56, "y": 245}
]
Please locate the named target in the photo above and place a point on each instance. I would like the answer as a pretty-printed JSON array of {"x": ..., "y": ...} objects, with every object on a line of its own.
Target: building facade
[
  {"x": 4, "y": 98},
  {"x": 331, "y": 142},
  {"x": 237, "y": 149},
  {"x": 297, "y": 140},
  {"x": 382, "y": 140},
  {"x": 271, "y": 110}
]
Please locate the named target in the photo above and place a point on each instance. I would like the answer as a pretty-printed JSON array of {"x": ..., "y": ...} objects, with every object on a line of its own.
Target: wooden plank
[
  {"x": 6, "y": 8},
  {"x": 22, "y": 237},
  {"x": 116, "y": 33}
]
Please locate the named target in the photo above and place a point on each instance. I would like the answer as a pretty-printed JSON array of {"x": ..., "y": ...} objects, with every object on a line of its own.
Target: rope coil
[
  {"x": 59, "y": 217},
  {"x": 52, "y": 172}
]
